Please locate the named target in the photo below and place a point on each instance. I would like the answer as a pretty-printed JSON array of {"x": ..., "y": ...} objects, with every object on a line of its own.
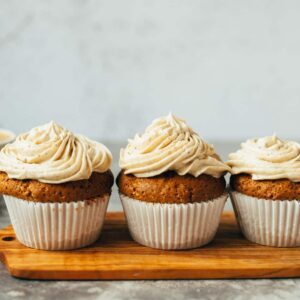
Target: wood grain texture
[{"x": 117, "y": 256}]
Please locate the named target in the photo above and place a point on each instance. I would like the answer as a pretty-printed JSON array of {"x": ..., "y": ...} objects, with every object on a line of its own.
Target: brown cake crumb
[
  {"x": 170, "y": 187},
  {"x": 97, "y": 185},
  {"x": 279, "y": 189}
]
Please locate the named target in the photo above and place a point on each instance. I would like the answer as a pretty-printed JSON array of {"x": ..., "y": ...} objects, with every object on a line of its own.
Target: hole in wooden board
[{"x": 8, "y": 238}]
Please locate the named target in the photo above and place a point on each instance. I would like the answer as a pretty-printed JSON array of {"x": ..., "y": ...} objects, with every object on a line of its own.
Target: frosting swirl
[
  {"x": 52, "y": 154},
  {"x": 267, "y": 158},
  {"x": 169, "y": 144}
]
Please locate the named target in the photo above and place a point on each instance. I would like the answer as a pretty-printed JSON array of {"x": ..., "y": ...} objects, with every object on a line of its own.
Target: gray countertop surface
[{"x": 12, "y": 288}]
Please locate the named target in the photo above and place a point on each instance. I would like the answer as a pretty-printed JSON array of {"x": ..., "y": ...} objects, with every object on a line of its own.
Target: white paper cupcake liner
[
  {"x": 268, "y": 222},
  {"x": 173, "y": 226},
  {"x": 57, "y": 226}
]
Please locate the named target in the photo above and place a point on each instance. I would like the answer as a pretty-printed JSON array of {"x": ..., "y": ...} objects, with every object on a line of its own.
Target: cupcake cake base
[
  {"x": 173, "y": 226},
  {"x": 57, "y": 226},
  {"x": 268, "y": 222}
]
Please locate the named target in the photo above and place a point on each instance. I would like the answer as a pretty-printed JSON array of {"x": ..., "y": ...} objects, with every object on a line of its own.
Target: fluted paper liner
[
  {"x": 57, "y": 226},
  {"x": 173, "y": 226},
  {"x": 268, "y": 222}
]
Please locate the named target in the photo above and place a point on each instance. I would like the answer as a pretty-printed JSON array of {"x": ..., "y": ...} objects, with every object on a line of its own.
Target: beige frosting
[
  {"x": 6, "y": 136},
  {"x": 267, "y": 158},
  {"x": 170, "y": 144},
  {"x": 52, "y": 154}
]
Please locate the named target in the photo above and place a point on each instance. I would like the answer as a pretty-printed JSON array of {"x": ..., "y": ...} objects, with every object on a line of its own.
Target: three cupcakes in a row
[{"x": 56, "y": 186}]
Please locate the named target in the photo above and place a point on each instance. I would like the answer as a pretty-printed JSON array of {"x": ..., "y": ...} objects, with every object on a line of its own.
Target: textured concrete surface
[
  {"x": 105, "y": 68},
  {"x": 11, "y": 288}
]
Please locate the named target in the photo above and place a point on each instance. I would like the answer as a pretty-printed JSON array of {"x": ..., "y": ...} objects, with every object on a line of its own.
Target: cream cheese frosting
[
  {"x": 52, "y": 154},
  {"x": 267, "y": 158},
  {"x": 169, "y": 144}
]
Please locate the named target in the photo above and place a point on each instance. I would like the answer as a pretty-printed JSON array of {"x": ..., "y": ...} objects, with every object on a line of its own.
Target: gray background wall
[{"x": 107, "y": 68}]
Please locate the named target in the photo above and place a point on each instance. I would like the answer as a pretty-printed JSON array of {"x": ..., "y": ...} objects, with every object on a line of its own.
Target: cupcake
[
  {"x": 171, "y": 186},
  {"x": 6, "y": 137},
  {"x": 266, "y": 190},
  {"x": 56, "y": 187}
]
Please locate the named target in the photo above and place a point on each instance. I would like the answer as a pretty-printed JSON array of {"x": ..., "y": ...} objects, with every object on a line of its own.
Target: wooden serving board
[{"x": 117, "y": 256}]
